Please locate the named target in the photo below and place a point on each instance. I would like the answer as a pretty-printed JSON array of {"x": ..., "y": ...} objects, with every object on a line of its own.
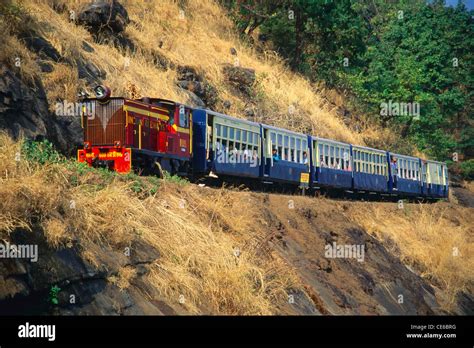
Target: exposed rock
[
  {"x": 24, "y": 109},
  {"x": 106, "y": 21},
  {"x": 249, "y": 112},
  {"x": 190, "y": 79},
  {"x": 188, "y": 73},
  {"x": 241, "y": 78},
  {"x": 59, "y": 6},
  {"x": 22, "y": 281},
  {"x": 160, "y": 61},
  {"x": 86, "y": 47},
  {"x": 88, "y": 71},
  {"x": 104, "y": 16},
  {"x": 233, "y": 51},
  {"x": 193, "y": 100},
  {"x": 203, "y": 90},
  {"x": 45, "y": 66},
  {"x": 40, "y": 46},
  {"x": 226, "y": 104}
]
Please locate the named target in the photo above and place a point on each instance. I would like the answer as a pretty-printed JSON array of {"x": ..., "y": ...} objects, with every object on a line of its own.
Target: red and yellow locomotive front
[{"x": 117, "y": 129}]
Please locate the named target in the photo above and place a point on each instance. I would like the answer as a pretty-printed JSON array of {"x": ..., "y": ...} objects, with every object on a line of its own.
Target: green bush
[
  {"x": 175, "y": 178},
  {"x": 467, "y": 169},
  {"x": 41, "y": 152}
]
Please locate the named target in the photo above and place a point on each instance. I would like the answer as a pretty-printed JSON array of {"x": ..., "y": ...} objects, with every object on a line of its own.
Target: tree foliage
[{"x": 404, "y": 51}]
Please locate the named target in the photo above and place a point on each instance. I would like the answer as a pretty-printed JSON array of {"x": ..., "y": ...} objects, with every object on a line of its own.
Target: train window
[
  {"x": 218, "y": 130},
  {"x": 244, "y": 136},
  {"x": 224, "y": 131},
  {"x": 231, "y": 133},
  {"x": 182, "y": 117},
  {"x": 255, "y": 138},
  {"x": 237, "y": 134},
  {"x": 299, "y": 155}
]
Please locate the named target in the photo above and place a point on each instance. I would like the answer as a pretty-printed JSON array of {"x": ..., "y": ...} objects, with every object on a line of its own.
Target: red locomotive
[{"x": 148, "y": 134}]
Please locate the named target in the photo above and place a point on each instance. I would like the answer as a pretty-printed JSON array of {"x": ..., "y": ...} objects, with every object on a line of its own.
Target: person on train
[
  {"x": 321, "y": 161},
  {"x": 305, "y": 157},
  {"x": 275, "y": 155},
  {"x": 394, "y": 169}
]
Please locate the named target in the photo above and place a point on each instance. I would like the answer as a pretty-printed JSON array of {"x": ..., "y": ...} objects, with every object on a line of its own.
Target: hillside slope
[
  {"x": 131, "y": 245},
  {"x": 173, "y": 50}
]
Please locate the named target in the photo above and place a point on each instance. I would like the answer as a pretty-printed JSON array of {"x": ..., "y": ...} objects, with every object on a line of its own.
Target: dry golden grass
[
  {"x": 436, "y": 240},
  {"x": 199, "y": 35},
  {"x": 203, "y": 236},
  {"x": 123, "y": 278}
]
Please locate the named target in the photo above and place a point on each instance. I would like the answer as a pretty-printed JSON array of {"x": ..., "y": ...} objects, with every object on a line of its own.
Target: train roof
[
  {"x": 368, "y": 148},
  {"x": 266, "y": 126},
  {"x": 231, "y": 118},
  {"x": 402, "y": 156},
  {"x": 331, "y": 141}
]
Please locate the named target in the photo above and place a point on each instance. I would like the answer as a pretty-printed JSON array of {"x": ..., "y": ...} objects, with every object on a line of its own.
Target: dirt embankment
[{"x": 109, "y": 244}]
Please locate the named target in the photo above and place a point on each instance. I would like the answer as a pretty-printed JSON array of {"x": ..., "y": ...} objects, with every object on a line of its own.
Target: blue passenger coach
[
  {"x": 228, "y": 146},
  {"x": 405, "y": 174},
  {"x": 370, "y": 169},
  {"x": 331, "y": 163},
  {"x": 291, "y": 158}
]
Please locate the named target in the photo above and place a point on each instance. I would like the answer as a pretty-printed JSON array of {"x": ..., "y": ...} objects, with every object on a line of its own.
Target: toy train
[{"x": 152, "y": 135}]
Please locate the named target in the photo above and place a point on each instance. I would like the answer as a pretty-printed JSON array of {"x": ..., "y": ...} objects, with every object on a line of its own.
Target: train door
[
  {"x": 183, "y": 131},
  {"x": 136, "y": 132},
  {"x": 146, "y": 133},
  {"x": 267, "y": 151},
  {"x": 424, "y": 177}
]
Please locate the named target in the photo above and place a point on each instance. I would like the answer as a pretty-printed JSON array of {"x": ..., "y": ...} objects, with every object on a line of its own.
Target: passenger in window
[
  {"x": 394, "y": 169},
  {"x": 338, "y": 164},
  {"x": 305, "y": 157},
  {"x": 321, "y": 162},
  {"x": 275, "y": 155}
]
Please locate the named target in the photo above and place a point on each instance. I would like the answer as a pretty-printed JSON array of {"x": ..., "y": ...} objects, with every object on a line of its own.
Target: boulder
[
  {"x": 106, "y": 20},
  {"x": 188, "y": 73},
  {"x": 104, "y": 16},
  {"x": 203, "y": 90},
  {"x": 241, "y": 78},
  {"x": 191, "y": 80}
]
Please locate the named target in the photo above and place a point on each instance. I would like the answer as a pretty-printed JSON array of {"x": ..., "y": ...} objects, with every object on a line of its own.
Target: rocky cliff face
[
  {"x": 62, "y": 282},
  {"x": 24, "y": 110}
]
